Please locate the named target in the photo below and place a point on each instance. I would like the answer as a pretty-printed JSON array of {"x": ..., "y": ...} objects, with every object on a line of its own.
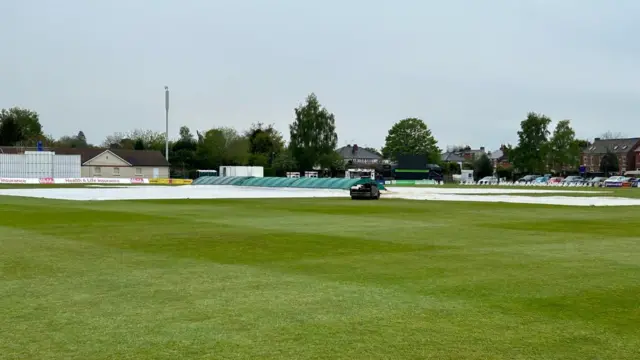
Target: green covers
[{"x": 313, "y": 183}]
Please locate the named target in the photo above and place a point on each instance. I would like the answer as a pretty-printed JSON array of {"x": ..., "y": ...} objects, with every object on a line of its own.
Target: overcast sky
[{"x": 470, "y": 69}]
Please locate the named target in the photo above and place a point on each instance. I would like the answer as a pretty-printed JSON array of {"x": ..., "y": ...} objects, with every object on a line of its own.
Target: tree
[
  {"x": 609, "y": 135},
  {"x": 183, "y": 153},
  {"x": 27, "y": 121},
  {"x": 185, "y": 134},
  {"x": 505, "y": 172},
  {"x": 482, "y": 167},
  {"x": 222, "y": 146},
  {"x": 451, "y": 168},
  {"x": 10, "y": 132},
  {"x": 332, "y": 162},
  {"x": 312, "y": 133},
  {"x": 150, "y": 140},
  {"x": 81, "y": 137},
  {"x": 582, "y": 144},
  {"x": 114, "y": 140},
  {"x": 265, "y": 143},
  {"x": 411, "y": 137},
  {"x": 530, "y": 156},
  {"x": 138, "y": 145},
  {"x": 564, "y": 150},
  {"x": 609, "y": 163},
  {"x": 284, "y": 162}
]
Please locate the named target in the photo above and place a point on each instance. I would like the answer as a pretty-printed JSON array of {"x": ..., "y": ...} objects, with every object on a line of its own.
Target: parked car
[
  {"x": 615, "y": 181},
  {"x": 574, "y": 180},
  {"x": 541, "y": 180},
  {"x": 488, "y": 180},
  {"x": 597, "y": 181},
  {"x": 527, "y": 179},
  {"x": 555, "y": 180}
]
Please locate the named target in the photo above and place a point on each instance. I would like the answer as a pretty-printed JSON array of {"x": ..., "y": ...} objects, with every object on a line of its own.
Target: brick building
[{"x": 627, "y": 151}]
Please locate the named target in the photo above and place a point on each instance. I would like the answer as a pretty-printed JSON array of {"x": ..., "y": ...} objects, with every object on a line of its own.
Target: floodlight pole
[{"x": 166, "y": 108}]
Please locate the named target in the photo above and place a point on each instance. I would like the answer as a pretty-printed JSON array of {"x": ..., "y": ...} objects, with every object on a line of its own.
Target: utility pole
[{"x": 166, "y": 108}]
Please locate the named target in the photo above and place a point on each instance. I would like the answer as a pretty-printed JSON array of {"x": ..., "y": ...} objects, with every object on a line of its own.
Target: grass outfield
[
  {"x": 561, "y": 191},
  {"x": 317, "y": 279}
]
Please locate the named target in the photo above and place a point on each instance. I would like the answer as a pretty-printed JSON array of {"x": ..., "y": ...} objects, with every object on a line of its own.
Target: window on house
[
  {"x": 116, "y": 171},
  {"x": 138, "y": 171},
  {"x": 624, "y": 147},
  {"x": 97, "y": 170},
  {"x": 615, "y": 147}
]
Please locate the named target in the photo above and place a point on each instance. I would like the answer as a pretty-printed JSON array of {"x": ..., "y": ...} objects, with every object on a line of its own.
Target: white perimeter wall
[{"x": 39, "y": 164}]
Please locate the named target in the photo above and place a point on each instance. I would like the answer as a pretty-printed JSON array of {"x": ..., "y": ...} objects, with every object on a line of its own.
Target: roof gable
[
  {"x": 453, "y": 157},
  {"x": 619, "y": 146},
  {"x": 104, "y": 159},
  {"x": 356, "y": 152},
  {"x": 132, "y": 157}
]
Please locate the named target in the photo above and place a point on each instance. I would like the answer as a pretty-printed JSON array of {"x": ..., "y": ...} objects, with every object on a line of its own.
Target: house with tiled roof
[
  {"x": 625, "y": 150},
  {"x": 358, "y": 156}
]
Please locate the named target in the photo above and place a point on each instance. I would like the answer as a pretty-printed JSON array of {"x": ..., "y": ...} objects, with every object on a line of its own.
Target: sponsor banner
[
  {"x": 93, "y": 181},
  {"x": 405, "y": 182},
  {"x": 18, "y": 181},
  {"x": 171, "y": 181},
  {"x": 425, "y": 182},
  {"x": 51, "y": 181}
]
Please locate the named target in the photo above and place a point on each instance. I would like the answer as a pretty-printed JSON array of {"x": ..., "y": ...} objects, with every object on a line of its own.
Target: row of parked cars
[{"x": 613, "y": 181}]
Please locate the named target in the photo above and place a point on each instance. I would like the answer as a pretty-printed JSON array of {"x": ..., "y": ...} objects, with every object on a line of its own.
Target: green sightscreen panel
[{"x": 412, "y": 171}]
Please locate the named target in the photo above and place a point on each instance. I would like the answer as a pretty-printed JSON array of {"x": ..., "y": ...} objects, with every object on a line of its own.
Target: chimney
[
  {"x": 482, "y": 148},
  {"x": 596, "y": 139}
]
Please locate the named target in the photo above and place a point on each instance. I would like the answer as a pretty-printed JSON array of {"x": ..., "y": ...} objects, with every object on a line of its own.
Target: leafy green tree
[
  {"x": 265, "y": 143},
  {"x": 411, "y": 136},
  {"x": 530, "y": 156},
  {"x": 582, "y": 144},
  {"x": 332, "y": 162},
  {"x": 505, "y": 172},
  {"x": 182, "y": 156},
  {"x": 609, "y": 163},
  {"x": 284, "y": 162},
  {"x": 185, "y": 134},
  {"x": 451, "y": 168},
  {"x": 222, "y": 146},
  {"x": 139, "y": 145},
  {"x": 10, "y": 132},
  {"x": 27, "y": 121},
  {"x": 312, "y": 134},
  {"x": 151, "y": 140},
  {"x": 564, "y": 150},
  {"x": 482, "y": 167},
  {"x": 78, "y": 141},
  {"x": 82, "y": 139}
]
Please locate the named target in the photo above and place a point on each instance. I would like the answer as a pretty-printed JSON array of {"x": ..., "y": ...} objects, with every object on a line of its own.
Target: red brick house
[
  {"x": 625, "y": 149},
  {"x": 499, "y": 157}
]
